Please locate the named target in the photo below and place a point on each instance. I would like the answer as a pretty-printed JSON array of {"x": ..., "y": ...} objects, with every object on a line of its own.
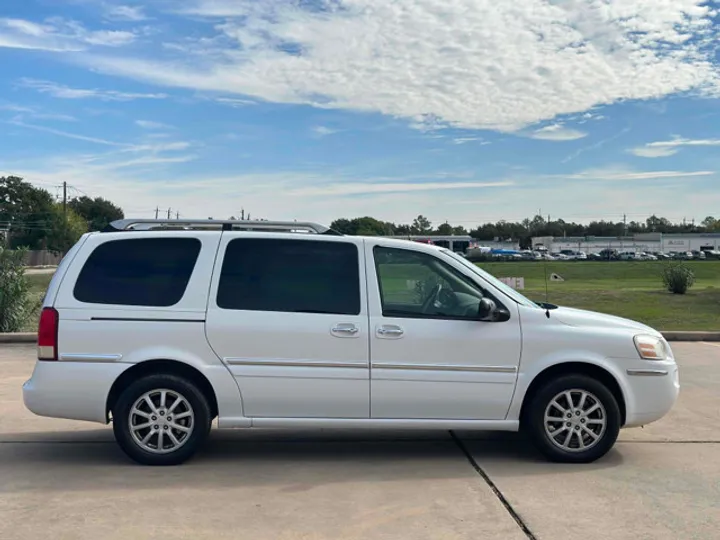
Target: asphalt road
[{"x": 67, "y": 480}]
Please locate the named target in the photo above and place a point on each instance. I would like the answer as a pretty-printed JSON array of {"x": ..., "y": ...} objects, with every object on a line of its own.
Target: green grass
[
  {"x": 628, "y": 289},
  {"x": 38, "y": 285}
]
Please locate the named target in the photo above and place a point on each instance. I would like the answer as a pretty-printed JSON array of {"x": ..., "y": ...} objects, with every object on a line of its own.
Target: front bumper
[
  {"x": 653, "y": 389},
  {"x": 72, "y": 390}
]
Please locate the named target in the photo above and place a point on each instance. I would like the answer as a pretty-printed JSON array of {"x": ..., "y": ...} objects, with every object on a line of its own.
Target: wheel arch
[
  {"x": 582, "y": 368},
  {"x": 161, "y": 366}
]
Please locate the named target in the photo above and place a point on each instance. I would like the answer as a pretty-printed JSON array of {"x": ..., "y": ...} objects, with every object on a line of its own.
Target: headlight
[{"x": 651, "y": 347}]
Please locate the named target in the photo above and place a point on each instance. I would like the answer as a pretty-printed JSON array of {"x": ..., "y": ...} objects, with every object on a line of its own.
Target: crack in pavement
[{"x": 513, "y": 513}]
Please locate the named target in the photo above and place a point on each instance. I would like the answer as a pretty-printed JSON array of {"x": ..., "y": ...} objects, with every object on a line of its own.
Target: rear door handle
[{"x": 344, "y": 330}]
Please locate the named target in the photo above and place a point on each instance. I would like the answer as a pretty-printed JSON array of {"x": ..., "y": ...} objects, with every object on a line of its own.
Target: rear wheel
[
  {"x": 574, "y": 419},
  {"x": 161, "y": 420}
]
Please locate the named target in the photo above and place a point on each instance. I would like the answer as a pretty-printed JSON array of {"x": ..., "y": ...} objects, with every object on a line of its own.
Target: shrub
[
  {"x": 678, "y": 278},
  {"x": 15, "y": 302}
]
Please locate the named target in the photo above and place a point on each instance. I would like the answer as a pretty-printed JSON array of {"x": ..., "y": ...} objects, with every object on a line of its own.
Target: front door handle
[
  {"x": 344, "y": 330},
  {"x": 390, "y": 331}
]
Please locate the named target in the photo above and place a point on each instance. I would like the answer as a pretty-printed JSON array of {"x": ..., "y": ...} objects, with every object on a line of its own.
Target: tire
[
  {"x": 597, "y": 437},
  {"x": 192, "y": 424}
]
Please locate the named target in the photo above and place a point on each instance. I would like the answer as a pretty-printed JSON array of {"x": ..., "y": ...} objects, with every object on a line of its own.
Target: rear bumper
[
  {"x": 654, "y": 389},
  {"x": 76, "y": 391}
]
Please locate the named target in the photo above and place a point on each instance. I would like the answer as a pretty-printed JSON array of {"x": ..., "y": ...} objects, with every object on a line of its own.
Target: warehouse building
[{"x": 648, "y": 242}]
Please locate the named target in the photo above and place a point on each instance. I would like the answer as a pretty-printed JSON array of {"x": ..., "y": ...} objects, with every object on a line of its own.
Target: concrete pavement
[{"x": 68, "y": 480}]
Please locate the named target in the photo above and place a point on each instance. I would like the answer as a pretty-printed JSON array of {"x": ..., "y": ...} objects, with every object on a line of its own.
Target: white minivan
[{"x": 163, "y": 326}]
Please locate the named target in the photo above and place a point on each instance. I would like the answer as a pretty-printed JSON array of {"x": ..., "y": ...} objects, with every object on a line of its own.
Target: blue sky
[{"x": 462, "y": 110}]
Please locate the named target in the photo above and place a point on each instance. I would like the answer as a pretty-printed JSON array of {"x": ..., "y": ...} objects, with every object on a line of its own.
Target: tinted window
[
  {"x": 417, "y": 284},
  {"x": 138, "y": 272},
  {"x": 290, "y": 275}
]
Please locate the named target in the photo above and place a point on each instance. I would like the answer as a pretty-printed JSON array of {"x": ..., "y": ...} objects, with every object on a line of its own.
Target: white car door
[
  {"x": 431, "y": 358},
  {"x": 288, "y": 315}
]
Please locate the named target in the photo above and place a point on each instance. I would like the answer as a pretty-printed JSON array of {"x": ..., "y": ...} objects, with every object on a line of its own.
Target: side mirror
[
  {"x": 488, "y": 312},
  {"x": 486, "y": 309}
]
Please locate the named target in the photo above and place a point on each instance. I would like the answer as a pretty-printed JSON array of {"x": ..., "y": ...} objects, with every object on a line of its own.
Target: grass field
[{"x": 628, "y": 289}]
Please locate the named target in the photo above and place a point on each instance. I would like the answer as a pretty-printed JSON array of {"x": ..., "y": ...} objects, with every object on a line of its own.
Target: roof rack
[{"x": 217, "y": 224}]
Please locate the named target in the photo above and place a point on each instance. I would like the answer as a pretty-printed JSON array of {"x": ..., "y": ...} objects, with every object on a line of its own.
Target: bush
[
  {"x": 678, "y": 278},
  {"x": 15, "y": 302}
]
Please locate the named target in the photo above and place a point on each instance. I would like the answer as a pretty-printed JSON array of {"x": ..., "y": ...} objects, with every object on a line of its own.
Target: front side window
[
  {"x": 416, "y": 284},
  {"x": 138, "y": 272},
  {"x": 297, "y": 276}
]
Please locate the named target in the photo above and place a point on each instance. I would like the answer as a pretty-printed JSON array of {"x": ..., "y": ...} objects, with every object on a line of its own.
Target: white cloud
[
  {"x": 138, "y": 187},
  {"x": 322, "y": 131},
  {"x": 66, "y": 92},
  {"x": 557, "y": 132},
  {"x": 482, "y": 64},
  {"x": 668, "y": 148},
  {"x": 464, "y": 140},
  {"x": 16, "y": 108},
  {"x": 235, "y": 102},
  {"x": 149, "y": 124},
  {"x": 123, "y": 147},
  {"x": 364, "y": 188},
  {"x": 125, "y": 13},
  {"x": 623, "y": 175},
  {"x": 684, "y": 142},
  {"x": 58, "y": 35},
  {"x": 66, "y": 134},
  {"x": 650, "y": 152}
]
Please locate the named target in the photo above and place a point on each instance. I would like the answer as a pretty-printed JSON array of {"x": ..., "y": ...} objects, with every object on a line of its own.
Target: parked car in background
[
  {"x": 698, "y": 254},
  {"x": 161, "y": 327},
  {"x": 627, "y": 256},
  {"x": 609, "y": 254},
  {"x": 712, "y": 254},
  {"x": 645, "y": 256}
]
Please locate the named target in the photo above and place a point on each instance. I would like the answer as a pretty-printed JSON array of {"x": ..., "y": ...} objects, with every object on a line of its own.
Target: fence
[{"x": 42, "y": 257}]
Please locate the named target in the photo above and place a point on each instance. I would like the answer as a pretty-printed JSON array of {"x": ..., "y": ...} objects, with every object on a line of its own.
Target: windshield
[{"x": 506, "y": 289}]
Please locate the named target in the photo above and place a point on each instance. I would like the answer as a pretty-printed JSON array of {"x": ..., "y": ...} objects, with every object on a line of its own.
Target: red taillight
[{"x": 48, "y": 334}]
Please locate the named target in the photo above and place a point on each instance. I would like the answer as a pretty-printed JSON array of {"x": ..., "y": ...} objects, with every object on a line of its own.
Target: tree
[
  {"x": 363, "y": 226},
  {"x": 421, "y": 225},
  {"x": 26, "y": 211},
  {"x": 445, "y": 229},
  {"x": 98, "y": 212},
  {"x": 66, "y": 228},
  {"x": 15, "y": 303},
  {"x": 710, "y": 223}
]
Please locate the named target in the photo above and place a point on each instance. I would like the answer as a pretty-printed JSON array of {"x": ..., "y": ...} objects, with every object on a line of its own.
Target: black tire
[
  {"x": 200, "y": 426},
  {"x": 554, "y": 451}
]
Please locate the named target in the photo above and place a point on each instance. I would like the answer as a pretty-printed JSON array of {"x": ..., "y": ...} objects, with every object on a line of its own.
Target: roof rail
[{"x": 217, "y": 224}]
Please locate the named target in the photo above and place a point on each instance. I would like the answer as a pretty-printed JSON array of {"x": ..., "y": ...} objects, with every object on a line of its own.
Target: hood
[{"x": 581, "y": 317}]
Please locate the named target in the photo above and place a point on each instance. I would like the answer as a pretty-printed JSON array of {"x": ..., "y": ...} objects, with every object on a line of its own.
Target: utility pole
[
  {"x": 65, "y": 200},
  {"x": 169, "y": 210},
  {"x": 242, "y": 214},
  {"x": 624, "y": 224},
  {"x": 177, "y": 215},
  {"x": 157, "y": 211}
]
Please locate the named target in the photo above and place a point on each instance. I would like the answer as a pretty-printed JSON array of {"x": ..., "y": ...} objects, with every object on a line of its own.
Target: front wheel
[
  {"x": 161, "y": 420},
  {"x": 574, "y": 419}
]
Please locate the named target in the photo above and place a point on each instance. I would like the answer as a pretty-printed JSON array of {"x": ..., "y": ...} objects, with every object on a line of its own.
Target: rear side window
[
  {"x": 299, "y": 276},
  {"x": 138, "y": 272}
]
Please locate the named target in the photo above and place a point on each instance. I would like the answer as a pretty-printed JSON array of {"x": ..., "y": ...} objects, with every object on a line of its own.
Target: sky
[{"x": 465, "y": 111}]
